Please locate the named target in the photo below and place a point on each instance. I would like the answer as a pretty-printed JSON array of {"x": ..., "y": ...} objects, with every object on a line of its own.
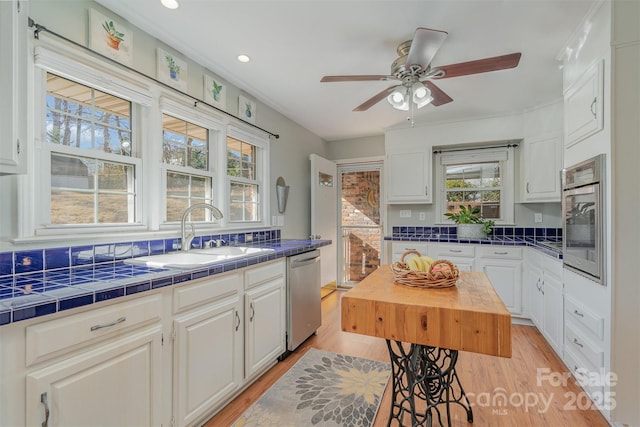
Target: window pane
[
  {"x": 199, "y": 186},
  {"x": 185, "y": 144},
  {"x": 177, "y": 184},
  {"x": 476, "y": 184},
  {"x": 82, "y": 117},
  {"x": 175, "y": 208},
  {"x": 81, "y": 213},
  {"x": 95, "y": 191}
]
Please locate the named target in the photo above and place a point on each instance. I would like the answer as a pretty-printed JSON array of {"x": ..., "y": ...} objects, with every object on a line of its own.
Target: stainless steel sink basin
[{"x": 196, "y": 257}]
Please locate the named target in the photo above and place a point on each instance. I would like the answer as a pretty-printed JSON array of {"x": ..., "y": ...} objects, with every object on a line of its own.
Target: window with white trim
[
  {"x": 481, "y": 178},
  {"x": 186, "y": 158},
  {"x": 89, "y": 145},
  {"x": 244, "y": 177}
]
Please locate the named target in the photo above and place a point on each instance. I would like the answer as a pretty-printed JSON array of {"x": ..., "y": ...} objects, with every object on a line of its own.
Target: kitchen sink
[{"x": 196, "y": 257}]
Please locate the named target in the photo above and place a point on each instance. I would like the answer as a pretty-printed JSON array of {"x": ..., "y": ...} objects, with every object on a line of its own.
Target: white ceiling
[{"x": 294, "y": 43}]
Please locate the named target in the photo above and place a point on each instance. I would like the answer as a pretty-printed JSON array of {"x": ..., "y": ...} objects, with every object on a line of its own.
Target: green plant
[
  {"x": 111, "y": 30},
  {"x": 172, "y": 64},
  {"x": 470, "y": 215}
]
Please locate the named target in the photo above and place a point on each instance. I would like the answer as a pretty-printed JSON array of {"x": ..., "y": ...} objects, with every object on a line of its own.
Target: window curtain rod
[
  {"x": 39, "y": 28},
  {"x": 474, "y": 148}
]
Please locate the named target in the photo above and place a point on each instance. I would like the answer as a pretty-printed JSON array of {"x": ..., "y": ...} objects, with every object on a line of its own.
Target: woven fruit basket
[{"x": 442, "y": 273}]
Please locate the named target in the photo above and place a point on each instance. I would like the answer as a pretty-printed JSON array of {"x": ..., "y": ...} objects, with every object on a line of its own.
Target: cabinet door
[
  {"x": 533, "y": 285},
  {"x": 553, "y": 312},
  {"x": 506, "y": 278},
  {"x": 409, "y": 176},
  {"x": 207, "y": 361},
  {"x": 264, "y": 325},
  {"x": 542, "y": 158},
  {"x": 114, "y": 384},
  {"x": 583, "y": 115},
  {"x": 13, "y": 117}
]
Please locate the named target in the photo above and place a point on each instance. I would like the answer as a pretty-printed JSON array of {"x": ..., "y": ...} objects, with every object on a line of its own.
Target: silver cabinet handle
[
  {"x": 238, "y": 319},
  {"x": 455, "y": 251},
  {"x": 43, "y": 400},
  {"x": 527, "y": 188},
  {"x": 252, "y": 312},
  {"x": 108, "y": 325},
  {"x": 577, "y": 313},
  {"x": 578, "y": 343},
  {"x": 500, "y": 253},
  {"x": 426, "y": 190},
  {"x": 593, "y": 104},
  {"x": 542, "y": 287}
]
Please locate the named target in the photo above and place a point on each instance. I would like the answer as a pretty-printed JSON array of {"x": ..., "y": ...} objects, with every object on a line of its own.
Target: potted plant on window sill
[{"x": 470, "y": 225}]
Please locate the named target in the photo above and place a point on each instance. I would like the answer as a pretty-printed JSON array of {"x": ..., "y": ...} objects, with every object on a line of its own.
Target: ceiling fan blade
[
  {"x": 479, "y": 66},
  {"x": 439, "y": 96},
  {"x": 424, "y": 46},
  {"x": 375, "y": 99},
  {"x": 362, "y": 78}
]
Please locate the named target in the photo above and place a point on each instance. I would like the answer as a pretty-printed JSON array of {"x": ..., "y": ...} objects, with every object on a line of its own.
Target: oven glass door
[{"x": 582, "y": 230}]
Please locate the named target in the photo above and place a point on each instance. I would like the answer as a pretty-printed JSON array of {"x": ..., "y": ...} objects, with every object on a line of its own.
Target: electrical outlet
[
  {"x": 537, "y": 217},
  {"x": 422, "y": 216},
  {"x": 405, "y": 213}
]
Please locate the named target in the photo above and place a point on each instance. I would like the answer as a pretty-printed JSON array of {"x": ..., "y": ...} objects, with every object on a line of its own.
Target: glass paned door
[{"x": 360, "y": 224}]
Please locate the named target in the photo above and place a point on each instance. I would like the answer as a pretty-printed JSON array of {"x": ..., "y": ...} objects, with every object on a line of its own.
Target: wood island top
[{"x": 468, "y": 317}]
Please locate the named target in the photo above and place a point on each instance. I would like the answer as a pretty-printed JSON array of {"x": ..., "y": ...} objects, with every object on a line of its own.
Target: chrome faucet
[{"x": 185, "y": 244}]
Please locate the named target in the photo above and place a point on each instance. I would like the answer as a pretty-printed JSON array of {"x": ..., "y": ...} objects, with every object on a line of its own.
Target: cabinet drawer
[
  {"x": 581, "y": 371},
  {"x": 583, "y": 346},
  {"x": 206, "y": 290},
  {"x": 399, "y": 248},
  {"x": 500, "y": 252},
  {"x": 444, "y": 251},
  {"x": 257, "y": 275},
  {"x": 55, "y": 337},
  {"x": 589, "y": 320}
]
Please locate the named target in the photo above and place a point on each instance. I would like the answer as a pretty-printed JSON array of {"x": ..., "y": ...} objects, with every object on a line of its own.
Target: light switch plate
[
  {"x": 422, "y": 216},
  {"x": 405, "y": 213},
  {"x": 537, "y": 217}
]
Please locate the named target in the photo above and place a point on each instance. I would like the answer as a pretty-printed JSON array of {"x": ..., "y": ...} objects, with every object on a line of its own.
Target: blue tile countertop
[
  {"x": 46, "y": 291},
  {"x": 546, "y": 240}
]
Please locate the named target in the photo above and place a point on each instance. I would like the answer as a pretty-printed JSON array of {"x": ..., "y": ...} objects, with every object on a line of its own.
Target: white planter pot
[{"x": 471, "y": 231}]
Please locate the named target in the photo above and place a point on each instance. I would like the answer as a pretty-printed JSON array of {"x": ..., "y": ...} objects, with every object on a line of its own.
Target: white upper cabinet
[
  {"x": 583, "y": 103},
  {"x": 541, "y": 165},
  {"x": 13, "y": 69},
  {"x": 408, "y": 172}
]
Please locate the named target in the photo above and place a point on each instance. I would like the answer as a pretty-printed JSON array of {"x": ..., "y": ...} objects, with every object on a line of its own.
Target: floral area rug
[{"x": 322, "y": 389}]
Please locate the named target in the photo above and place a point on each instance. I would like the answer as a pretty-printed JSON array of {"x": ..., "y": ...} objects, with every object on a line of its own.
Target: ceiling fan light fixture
[
  {"x": 421, "y": 94},
  {"x": 399, "y": 98}
]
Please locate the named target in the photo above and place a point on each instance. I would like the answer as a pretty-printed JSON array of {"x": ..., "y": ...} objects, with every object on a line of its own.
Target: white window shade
[{"x": 474, "y": 156}]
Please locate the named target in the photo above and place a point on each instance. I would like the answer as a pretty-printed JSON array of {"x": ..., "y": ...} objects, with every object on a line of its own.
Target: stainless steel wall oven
[{"x": 583, "y": 218}]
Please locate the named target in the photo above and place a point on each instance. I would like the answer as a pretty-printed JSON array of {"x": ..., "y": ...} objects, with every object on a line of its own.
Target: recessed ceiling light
[
  {"x": 243, "y": 58},
  {"x": 170, "y": 4}
]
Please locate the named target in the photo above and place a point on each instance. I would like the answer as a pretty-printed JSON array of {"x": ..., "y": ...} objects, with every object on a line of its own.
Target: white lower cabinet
[
  {"x": 172, "y": 356},
  {"x": 207, "y": 348},
  {"x": 543, "y": 284},
  {"x": 265, "y": 317},
  {"x": 503, "y": 266},
  {"x": 461, "y": 255},
  {"x": 114, "y": 384}
]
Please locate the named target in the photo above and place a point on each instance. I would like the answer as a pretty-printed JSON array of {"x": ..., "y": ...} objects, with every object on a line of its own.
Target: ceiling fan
[{"x": 413, "y": 70}]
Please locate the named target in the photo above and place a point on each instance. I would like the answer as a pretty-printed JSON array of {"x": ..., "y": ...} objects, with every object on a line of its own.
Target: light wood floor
[{"x": 483, "y": 377}]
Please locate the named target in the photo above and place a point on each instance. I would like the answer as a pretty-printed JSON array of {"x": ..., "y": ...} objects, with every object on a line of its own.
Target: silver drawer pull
[
  {"x": 578, "y": 343},
  {"x": 455, "y": 251},
  {"x": 238, "y": 319},
  {"x": 500, "y": 253},
  {"x": 577, "y": 313},
  {"x": 43, "y": 400},
  {"x": 108, "y": 325}
]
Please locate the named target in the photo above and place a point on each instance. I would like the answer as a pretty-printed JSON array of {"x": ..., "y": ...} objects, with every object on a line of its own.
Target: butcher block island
[
  {"x": 424, "y": 329},
  {"x": 468, "y": 317}
]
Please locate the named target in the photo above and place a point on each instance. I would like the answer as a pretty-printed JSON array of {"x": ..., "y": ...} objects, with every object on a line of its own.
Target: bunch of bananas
[{"x": 420, "y": 263}]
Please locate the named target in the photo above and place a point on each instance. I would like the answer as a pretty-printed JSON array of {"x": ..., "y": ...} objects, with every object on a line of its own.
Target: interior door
[{"x": 324, "y": 214}]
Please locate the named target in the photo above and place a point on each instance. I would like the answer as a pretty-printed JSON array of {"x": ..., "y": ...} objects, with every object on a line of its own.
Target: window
[
  {"x": 185, "y": 154},
  {"x": 482, "y": 178},
  {"x": 244, "y": 187},
  {"x": 89, "y": 141}
]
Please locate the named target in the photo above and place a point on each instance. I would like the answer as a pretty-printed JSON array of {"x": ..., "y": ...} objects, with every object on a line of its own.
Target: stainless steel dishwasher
[{"x": 303, "y": 297}]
